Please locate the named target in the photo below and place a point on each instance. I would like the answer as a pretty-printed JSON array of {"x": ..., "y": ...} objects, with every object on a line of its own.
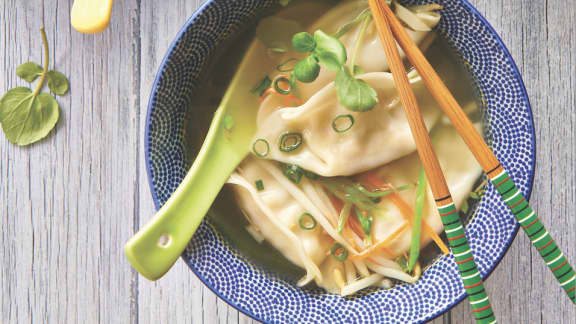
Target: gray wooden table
[{"x": 69, "y": 203}]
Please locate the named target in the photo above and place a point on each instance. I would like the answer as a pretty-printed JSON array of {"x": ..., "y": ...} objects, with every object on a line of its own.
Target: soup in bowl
[{"x": 316, "y": 223}]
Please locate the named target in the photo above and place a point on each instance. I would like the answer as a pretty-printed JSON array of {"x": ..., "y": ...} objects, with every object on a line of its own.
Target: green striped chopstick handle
[
  {"x": 469, "y": 273},
  {"x": 535, "y": 230}
]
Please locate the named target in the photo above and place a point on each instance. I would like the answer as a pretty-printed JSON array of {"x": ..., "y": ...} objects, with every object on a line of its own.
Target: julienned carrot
[
  {"x": 289, "y": 99},
  {"x": 406, "y": 211},
  {"x": 382, "y": 244}
]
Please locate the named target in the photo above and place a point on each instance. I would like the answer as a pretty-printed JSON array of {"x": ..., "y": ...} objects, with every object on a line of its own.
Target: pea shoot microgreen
[
  {"x": 28, "y": 116},
  {"x": 353, "y": 93}
]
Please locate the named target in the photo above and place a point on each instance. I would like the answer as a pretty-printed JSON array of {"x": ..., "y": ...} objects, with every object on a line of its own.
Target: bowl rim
[{"x": 150, "y": 109}]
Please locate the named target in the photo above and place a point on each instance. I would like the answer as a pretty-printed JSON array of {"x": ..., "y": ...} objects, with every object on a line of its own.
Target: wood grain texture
[
  {"x": 68, "y": 204},
  {"x": 540, "y": 37}
]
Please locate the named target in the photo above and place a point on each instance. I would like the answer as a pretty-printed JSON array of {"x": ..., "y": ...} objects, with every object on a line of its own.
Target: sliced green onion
[
  {"x": 290, "y": 141},
  {"x": 339, "y": 252},
  {"x": 261, "y": 147},
  {"x": 228, "y": 122},
  {"x": 403, "y": 263},
  {"x": 465, "y": 207},
  {"x": 292, "y": 172},
  {"x": 259, "y": 185},
  {"x": 278, "y": 49},
  {"x": 474, "y": 195},
  {"x": 287, "y": 65},
  {"x": 311, "y": 175},
  {"x": 365, "y": 218},
  {"x": 279, "y": 88},
  {"x": 344, "y": 214},
  {"x": 307, "y": 222},
  {"x": 417, "y": 226},
  {"x": 261, "y": 86},
  {"x": 347, "y": 192},
  {"x": 343, "y": 123},
  {"x": 378, "y": 194}
]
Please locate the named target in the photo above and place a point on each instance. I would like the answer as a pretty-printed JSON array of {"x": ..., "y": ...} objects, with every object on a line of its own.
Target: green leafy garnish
[
  {"x": 261, "y": 148},
  {"x": 344, "y": 214},
  {"x": 307, "y": 222},
  {"x": 287, "y": 65},
  {"x": 354, "y": 94},
  {"x": 329, "y": 51},
  {"x": 417, "y": 226},
  {"x": 476, "y": 194},
  {"x": 28, "y": 116},
  {"x": 310, "y": 175},
  {"x": 403, "y": 263},
  {"x": 339, "y": 252},
  {"x": 29, "y": 71},
  {"x": 303, "y": 42},
  {"x": 358, "y": 70},
  {"x": 342, "y": 123},
  {"x": 292, "y": 172},
  {"x": 259, "y": 185},
  {"x": 465, "y": 207},
  {"x": 228, "y": 122},
  {"x": 261, "y": 86},
  {"x": 57, "y": 82},
  {"x": 290, "y": 142},
  {"x": 365, "y": 218},
  {"x": 307, "y": 70}
]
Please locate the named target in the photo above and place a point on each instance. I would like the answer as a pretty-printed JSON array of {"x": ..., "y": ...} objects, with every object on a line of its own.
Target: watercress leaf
[
  {"x": 307, "y": 70},
  {"x": 276, "y": 33},
  {"x": 28, "y": 71},
  {"x": 329, "y": 50},
  {"x": 57, "y": 82},
  {"x": 303, "y": 42},
  {"x": 354, "y": 94},
  {"x": 27, "y": 118}
]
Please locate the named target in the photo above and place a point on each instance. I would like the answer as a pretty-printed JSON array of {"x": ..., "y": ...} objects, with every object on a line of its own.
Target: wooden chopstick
[
  {"x": 449, "y": 215},
  {"x": 513, "y": 198}
]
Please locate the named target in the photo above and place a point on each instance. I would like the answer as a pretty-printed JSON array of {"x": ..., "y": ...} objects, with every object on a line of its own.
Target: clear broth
[{"x": 224, "y": 215}]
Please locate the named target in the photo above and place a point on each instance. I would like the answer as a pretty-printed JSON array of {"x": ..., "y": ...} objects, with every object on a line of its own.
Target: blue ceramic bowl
[{"x": 270, "y": 297}]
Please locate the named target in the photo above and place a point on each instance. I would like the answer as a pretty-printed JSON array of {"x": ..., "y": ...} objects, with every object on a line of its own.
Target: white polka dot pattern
[{"x": 270, "y": 298}]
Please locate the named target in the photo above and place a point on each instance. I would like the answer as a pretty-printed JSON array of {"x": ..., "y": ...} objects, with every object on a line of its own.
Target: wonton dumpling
[
  {"x": 371, "y": 56},
  {"x": 460, "y": 173},
  {"x": 377, "y": 137},
  {"x": 275, "y": 211}
]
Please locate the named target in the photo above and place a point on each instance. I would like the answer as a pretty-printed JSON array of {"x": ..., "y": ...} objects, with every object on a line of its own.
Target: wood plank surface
[{"x": 68, "y": 203}]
